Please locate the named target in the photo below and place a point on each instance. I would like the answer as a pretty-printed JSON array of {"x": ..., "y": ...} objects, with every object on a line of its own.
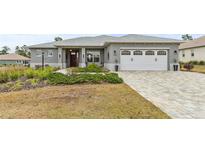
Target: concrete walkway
[{"x": 179, "y": 94}]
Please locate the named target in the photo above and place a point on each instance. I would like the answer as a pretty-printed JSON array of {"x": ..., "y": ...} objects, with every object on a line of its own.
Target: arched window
[
  {"x": 149, "y": 52},
  {"x": 125, "y": 52},
  {"x": 161, "y": 53},
  {"x": 137, "y": 52},
  {"x": 89, "y": 57}
]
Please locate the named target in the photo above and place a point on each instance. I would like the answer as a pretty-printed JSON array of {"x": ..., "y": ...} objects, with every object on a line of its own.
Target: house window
[
  {"x": 125, "y": 52},
  {"x": 50, "y": 53},
  {"x": 192, "y": 53},
  {"x": 108, "y": 55},
  {"x": 137, "y": 52},
  {"x": 89, "y": 57},
  {"x": 161, "y": 53},
  {"x": 97, "y": 58},
  {"x": 149, "y": 52},
  {"x": 115, "y": 53},
  {"x": 183, "y": 54}
]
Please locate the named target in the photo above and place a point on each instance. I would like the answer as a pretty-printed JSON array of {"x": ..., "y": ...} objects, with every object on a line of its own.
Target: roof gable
[{"x": 193, "y": 43}]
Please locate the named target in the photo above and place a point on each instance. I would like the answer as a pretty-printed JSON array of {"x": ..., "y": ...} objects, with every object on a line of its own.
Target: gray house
[{"x": 129, "y": 52}]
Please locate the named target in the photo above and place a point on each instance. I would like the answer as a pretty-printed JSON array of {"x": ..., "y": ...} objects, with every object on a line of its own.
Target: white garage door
[{"x": 143, "y": 59}]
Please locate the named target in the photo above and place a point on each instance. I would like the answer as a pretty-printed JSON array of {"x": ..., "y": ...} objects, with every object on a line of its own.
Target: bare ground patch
[{"x": 78, "y": 101}]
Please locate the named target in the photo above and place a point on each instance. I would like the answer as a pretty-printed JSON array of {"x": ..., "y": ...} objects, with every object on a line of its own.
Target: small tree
[
  {"x": 22, "y": 51},
  {"x": 58, "y": 38},
  {"x": 4, "y": 50},
  {"x": 187, "y": 37}
]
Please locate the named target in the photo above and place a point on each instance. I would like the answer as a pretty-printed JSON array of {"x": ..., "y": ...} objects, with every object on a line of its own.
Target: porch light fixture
[{"x": 71, "y": 50}]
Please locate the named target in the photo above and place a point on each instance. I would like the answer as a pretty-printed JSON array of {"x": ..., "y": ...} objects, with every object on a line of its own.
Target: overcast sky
[{"x": 12, "y": 41}]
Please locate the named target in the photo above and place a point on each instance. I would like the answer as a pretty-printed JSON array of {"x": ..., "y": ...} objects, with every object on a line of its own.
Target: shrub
[
  {"x": 4, "y": 77},
  {"x": 202, "y": 63},
  {"x": 93, "y": 68},
  {"x": 29, "y": 73},
  {"x": 58, "y": 78},
  {"x": 14, "y": 75},
  {"x": 113, "y": 78},
  {"x": 90, "y": 68},
  {"x": 188, "y": 66},
  {"x": 194, "y": 62}
]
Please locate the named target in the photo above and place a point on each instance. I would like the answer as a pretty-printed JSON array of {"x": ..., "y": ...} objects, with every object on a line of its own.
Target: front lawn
[
  {"x": 198, "y": 68},
  {"x": 78, "y": 101}
]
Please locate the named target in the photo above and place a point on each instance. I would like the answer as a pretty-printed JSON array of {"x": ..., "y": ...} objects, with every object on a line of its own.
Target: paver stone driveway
[{"x": 179, "y": 94}]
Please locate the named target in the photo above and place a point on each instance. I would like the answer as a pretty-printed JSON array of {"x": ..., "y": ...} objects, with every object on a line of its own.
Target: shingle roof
[
  {"x": 13, "y": 56},
  {"x": 105, "y": 39},
  {"x": 42, "y": 45},
  {"x": 194, "y": 43}
]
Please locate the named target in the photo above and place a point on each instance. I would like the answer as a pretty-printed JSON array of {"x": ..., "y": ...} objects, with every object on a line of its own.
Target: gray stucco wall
[
  {"x": 116, "y": 47},
  {"x": 37, "y": 60}
]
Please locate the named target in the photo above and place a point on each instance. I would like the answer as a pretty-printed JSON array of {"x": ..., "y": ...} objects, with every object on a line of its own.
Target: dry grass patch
[
  {"x": 197, "y": 69},
  {"x": 78, "y": 101}
]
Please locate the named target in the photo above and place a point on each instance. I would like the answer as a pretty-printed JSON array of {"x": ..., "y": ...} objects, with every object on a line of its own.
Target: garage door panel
[{"x": 144, "y": 62}]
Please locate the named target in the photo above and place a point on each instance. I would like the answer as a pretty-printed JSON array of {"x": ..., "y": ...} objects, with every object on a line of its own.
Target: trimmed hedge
[
  {"x": 90, "y": 68},
  {"x": 58, "y": 78}
]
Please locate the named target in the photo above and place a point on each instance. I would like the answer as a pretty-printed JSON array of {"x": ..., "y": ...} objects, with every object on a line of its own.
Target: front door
[{"x": 73, "y": 59}]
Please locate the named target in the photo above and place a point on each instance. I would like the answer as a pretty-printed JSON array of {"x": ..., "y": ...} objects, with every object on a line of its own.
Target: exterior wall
[
  {"x": 110, "y": 63},
  {"x": 8, "y": 62},
  {"x": 59, "y": 55},
  {"x": 199, "y": 54},
  {"x": 37, "y": 60},
  {"x": 12, "y": 62}
]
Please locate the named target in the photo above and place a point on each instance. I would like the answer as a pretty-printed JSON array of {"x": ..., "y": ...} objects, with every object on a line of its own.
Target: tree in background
[
  {"x": 187, "y": 37},
  {"x": 4, "y": 50},
  {"x": 22, "y": 51},
  {"x": 58, "y": 38}
]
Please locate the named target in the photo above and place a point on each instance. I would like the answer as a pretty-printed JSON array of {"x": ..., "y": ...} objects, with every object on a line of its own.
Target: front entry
[{"x": 73, "y": 58}]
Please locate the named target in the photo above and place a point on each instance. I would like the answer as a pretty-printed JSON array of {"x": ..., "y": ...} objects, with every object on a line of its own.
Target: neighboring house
[
  {"x": 14, "y": 59},
  {"x": 192, "y": 50},
  {"x": 130, "y": 52}
]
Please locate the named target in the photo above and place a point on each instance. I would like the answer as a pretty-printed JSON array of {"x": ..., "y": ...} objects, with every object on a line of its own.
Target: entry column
[
  {"x": 83, "y": 63},
  {"x": 60, "y": 62}
]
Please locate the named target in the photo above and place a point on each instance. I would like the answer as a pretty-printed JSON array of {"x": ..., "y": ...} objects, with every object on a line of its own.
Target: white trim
[{"x": 144, "y": 48}]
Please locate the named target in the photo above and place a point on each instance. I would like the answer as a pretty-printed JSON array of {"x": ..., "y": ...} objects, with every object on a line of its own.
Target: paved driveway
[{"x": 179, "y": 94}]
